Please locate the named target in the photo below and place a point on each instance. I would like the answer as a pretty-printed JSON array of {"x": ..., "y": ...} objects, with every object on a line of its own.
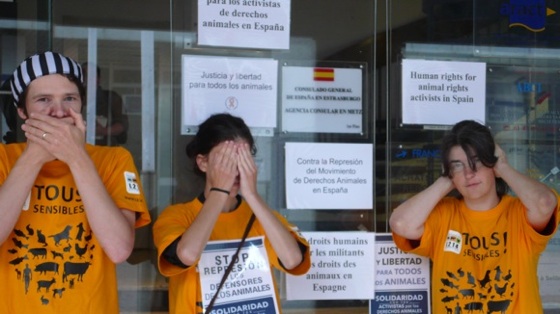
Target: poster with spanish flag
[
  {"x": 323, "y": 74},
  {"x": 322, "y": 99}
]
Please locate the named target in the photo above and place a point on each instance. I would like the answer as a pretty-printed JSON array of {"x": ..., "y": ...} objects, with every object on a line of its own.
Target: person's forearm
[
  {"x": 14, "y": 192},
  {"x": 195, "y": 238},
  {"x": 538, "y": 198},
  {"x": 113, "y": 228},
  {"x": 281, "y": 239},
  {"x": 407, "y": 220}
]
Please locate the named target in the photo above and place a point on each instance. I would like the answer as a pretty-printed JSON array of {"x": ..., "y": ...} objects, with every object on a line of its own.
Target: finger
[
  {"x": 42, "y": 139},
  {"x": 45, "y": 123},
  {"x": 222, "y": 168},
  {"x": 230, "y": 155},
  {"x": 78, "y": 120},
  {"x": 246, "y": 157},
  {"x": 247, "y": 167},
  {"x": 32, "y": 131},
  {"x": 36, "y": 126},
  {"x": 218, "y": 156},
  {"x": 242, "y": 163},
  {"x": 223, "y": 160}
]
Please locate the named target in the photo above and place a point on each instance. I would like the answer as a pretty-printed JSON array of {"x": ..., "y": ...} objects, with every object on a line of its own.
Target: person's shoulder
[
  {"x": 448, "y": 204},
  {"x": 12, "y": 148},
  {"x": 451, "y": 201},
  {"x": 107, "y": 149},
  {"x": 101, "y": 152},
  {"x": 181, "y": 209},
  {"x": 510, "y": 200}
]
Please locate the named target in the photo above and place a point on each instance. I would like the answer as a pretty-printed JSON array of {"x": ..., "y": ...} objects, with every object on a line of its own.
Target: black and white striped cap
[{"x": 40, "y": 65}]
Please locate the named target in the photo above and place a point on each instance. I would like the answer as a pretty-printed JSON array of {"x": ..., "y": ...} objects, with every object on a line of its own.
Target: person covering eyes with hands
[
  {"x": 484, "y": 243},
  {"x": 222, "y": 151},
  {"x": 68, "y": 208}
]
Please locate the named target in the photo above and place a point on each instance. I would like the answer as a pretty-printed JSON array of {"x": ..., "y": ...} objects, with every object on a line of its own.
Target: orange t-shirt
[
  {"x": 483, "y": 261},
  {"x": 52, "y": 262},
  {"x": 184, "y": 283}
]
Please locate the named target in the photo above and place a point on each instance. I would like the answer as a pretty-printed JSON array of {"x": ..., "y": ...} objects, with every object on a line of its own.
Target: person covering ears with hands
[{"x": 484, "y": 244}]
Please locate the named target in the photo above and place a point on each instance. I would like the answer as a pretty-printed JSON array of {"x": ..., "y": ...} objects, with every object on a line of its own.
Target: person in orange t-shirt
[
  {"x": 222, "y": 152},
  {"x": 484, "y": 244},
  {"x": 69, "y": 209}
]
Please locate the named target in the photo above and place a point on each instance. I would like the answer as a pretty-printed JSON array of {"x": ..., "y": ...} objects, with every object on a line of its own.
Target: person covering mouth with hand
[{"x": 69, "y": 209}]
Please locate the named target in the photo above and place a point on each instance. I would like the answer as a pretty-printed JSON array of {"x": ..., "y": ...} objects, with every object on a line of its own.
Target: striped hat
[{"x": 40, "y": 65}]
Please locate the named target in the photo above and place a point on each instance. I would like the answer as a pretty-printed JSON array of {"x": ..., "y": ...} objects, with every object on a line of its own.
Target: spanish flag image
[{"x": 323, "y": 74}]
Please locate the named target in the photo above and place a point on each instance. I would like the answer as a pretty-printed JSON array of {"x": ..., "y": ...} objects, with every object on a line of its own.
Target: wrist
[
  {"x": 445, "y": 183},
  {"x": 219, "y": 190},
  {"x": 500, "y": 168}
]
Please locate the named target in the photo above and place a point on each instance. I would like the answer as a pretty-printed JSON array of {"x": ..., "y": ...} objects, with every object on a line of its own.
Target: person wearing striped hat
[{"x": 69, "y": 209}]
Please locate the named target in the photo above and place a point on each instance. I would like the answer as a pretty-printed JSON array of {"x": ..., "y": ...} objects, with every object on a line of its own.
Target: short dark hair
[
  {"x": 477, "y": 142},
  {"x": 215, "y": 130}
]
